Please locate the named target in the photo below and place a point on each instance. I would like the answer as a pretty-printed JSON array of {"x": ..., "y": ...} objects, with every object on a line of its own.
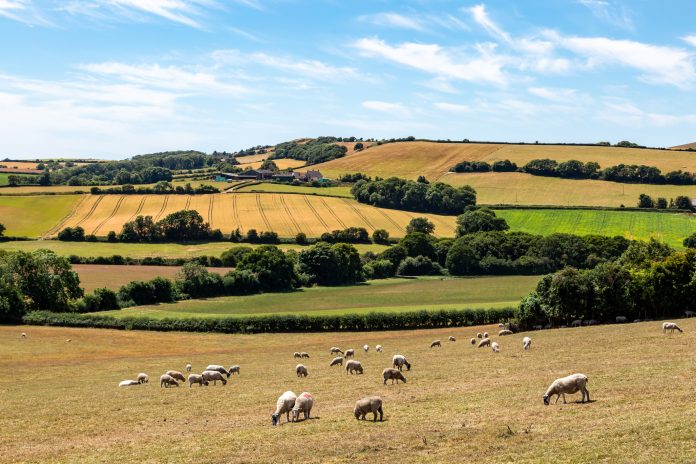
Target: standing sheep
[
  {"x": 485, "y": 334},
  {"x": 501, "y": 325},
  {"x": 478, "y": 335},
  {"x": 304, "y": 354},
  {"x": 188, "y": 368},
  {"x": 366, "y": 348},
  {"x": 473, "y": 341},
  {"x": 350, "y": 353},
  {"x": 484, "y": 342},
  {"x": 143, "y": 378},
  {"x": 176, "y": 375},
  {"x": 23, "y": 335},
  {"x": 378, "y": 348},
  {"x": 336, "y": 350},
  {"x": 689, "y": 313},
  {"x": 436, "y": 343},
  {"x": 526, "y": 343},
  {"x": 452, "y": 339},
  {"x": 495, "y": 347},
  {"x": 336, "y": 361},
  {"x": 128, "y": 383},
  {"x": 368, "y": 404},
  {"x": 218, "y": 368},
  {"x": 303, "y": 404},
  {"x": 214, "y": 376},
  {"x": 504, "y": 332},
  {"x": 234, "y": 369},
  {"x": 671, "y": 326},
  {"x": 570, "y": 384},
  {"x": 197, "y": 378},
  {"x": 167, "y": 381},
  {"x": 284, "y": 405},
  {"x": 296, "y": 354},
  {"x": 399, "y": 361},
  {"x": 354, "y": 366},
  {"x": 301, "y": 370},
  {"x": 393, "y": 374}
]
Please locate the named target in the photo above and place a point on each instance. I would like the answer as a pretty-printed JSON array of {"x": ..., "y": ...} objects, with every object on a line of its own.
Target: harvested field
[{"x": 341, "y": 191}]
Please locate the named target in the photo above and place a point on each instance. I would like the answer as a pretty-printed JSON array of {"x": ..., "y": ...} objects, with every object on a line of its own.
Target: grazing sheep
[
  {"x": 368, "y": 404},
  {"x": 217, "y": 368},
  {"x": 303, "y": 404},
  {"x": 304, "y": 354},
  {"x": 485, "y": 334},
  {"x": 501, "y": 325},
  {"x": 399, "y": 361},
  {"x": 176, "y": 375},
  {"x": 167, "y": 381},
  {"x": 336, "y": 350},
  {"x": 621, "y": 319},
  {"x": 285, "y": 403},
  {"x": 354, "y": 366},
  {"x": 350, "y": 353},
  {"x": 301, "y": 370},
  {"x": 436, "y": 343},
  {"x": 570, "y": 384},
  {"x": 689, "y": 313},
  {"x": 128, "y": 383},
  {"x": 234, "y": 369},
  {"x": 23, "y": 335},
  {"x": 504, "y": 332},
  {"x": 478, "y": 335},
  {"x": 484, "y": 342},
  {"x": 393, "y": 374},
  {"x": 336, "y": 361},
  {"x": 451, "y": 338},
  {"x": 143, "y": 378},
  {"x": 197, "y": 378},
  {"x": 366, "y": 348},
  {"x": 473, "y": 341},
  {"x": 671, "y": 326},
  {"x": 296, "y": 354},
  {"x": 576, "y": 323},
  {"x": 214, "y": 376},
  {"x": 526, "y": 343},
  {"x": 495, "y": 347},
  {"x": 188, "y": 368},
  {"x": 378, "y": 348}
]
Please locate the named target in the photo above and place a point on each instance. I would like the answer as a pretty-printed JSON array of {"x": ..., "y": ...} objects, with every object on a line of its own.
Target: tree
[
  {"x": 690, "y": 241},
  {"x": 45, "y": 179},
  {"x": 275, "y": 270},
  {"x": 683, "y": 202},
  {"x": 422, "y": 180},
  {"x": 379, "y": 236},
  {"x": 269, "y": 165},
  {"x": 301, "y": 238},
  {"x": 420, "y": 224},
  {"x": 2, "y": 230},
  {"x": 419, "y": 244},
  {"x": 233, "y": 256},
  {"x": 645, "y": 201},
  {"x": 327, "y": 264},
  {"x": 184, "y": 226},
  {"x": 480, "y": 220},
  {"x": 72, "y": 234},
  {"x": 461, "y": 258},
  {"x": 358, "y": 146}
]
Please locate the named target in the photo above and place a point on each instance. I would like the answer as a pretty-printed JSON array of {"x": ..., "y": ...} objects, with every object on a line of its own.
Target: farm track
[
  {"x": 210, "y": 210},
  {"x": 235, "y": 212},
  {"x": 164, "y": 207},
  {"x": 91, "y": 211},
  {"x": 290, "y": 215},
  {"x": 263, "y": 214},
  {"x": 390, "y": 219},
  {"x": 139, "y": 210},
  {"x": 57, "y": 228},
  {"x": 316, "y": 214},
  {"x": 108, "y": 218},
  {"x": 333, "y": 213},
  {"x": 188, "y": 203},
  {"x": 359, "y": 213}
]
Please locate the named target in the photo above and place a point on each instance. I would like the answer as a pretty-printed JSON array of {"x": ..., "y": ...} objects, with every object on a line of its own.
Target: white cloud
[
  {"x": 611, "y": 13},
  {"x": 22, "y": 11},
  {"x": 396, "y": 109},
  {"x": 690, "y": 39},
  {"x": 628, "y": 114},
  {"x": 453, "y": 107},
  {"x": 553, "y": 94},
  {"x": 527, "y": 45},
  {"x": 393, "y": 20}
]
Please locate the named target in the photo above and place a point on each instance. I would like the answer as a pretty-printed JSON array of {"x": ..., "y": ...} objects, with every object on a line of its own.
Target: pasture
[
  {"x": 460, "y": 404},
  {"x": 33, "y": 216},
  {"x": 388, "y": 295}
]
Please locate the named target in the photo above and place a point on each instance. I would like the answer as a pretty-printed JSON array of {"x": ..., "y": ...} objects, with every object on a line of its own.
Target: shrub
[
  {"x": 380, "y": 236},
  {"x": 378, "y": 269},
  {"x": 241, "y": 283},
  {"x": 420, "y": 265},
  {"x": 72, "y": 234},
  {"x": 231, "y": 257},
  {"x": 301, "y": 238},
  {"x": 645, "y": 201}
]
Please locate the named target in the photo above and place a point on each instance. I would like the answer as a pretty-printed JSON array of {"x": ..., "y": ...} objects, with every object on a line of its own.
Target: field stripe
[
  {"x": 164, "y": 206},
  {"x": 390, "y": 219},
  {"x": 188, "y": 202},
  {"x": 210, "y": 210},
  {"x": 91, "y": 211},
  {"x": 55, "y": 229},
  {"x": 235, "y": 212},
  {"x": 359, "y": 213},
  {"x": 333, "y": 213},
  {"x": 319, "y": 216},
  {"x": 263, "y": 214},
  {"x": 290, "y": 215},
  {"x": 140, "y": 208},
  {"x": 113, "y": 213}
]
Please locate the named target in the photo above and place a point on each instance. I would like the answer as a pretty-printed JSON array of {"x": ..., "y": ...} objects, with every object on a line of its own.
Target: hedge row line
[{"x": 282, "y": 323}]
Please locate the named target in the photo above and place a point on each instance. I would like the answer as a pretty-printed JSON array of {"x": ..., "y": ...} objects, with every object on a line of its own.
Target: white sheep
[
  {"x": 303, "y": 404},
  {"x": 143, "y": 378},
  {"x": 495, "y": 347},
  {"x": 167, "y": 381},
  {"x": 176, "y": 375},
  {"x": 570, "y": 384},
  {"x": 301, "y": 370},
  {"x": 366, "y": 348},
  {"x": 350, "y": 353},
  {"x": 128, "y": 383},
  {"x": 336, "y": 350},
  {"x": 234, "y": 369},
  {"x": 484, "y": 342},
  {"x": 501, "y": 325},
  {"x": 296, "y": 354},
  {"x": 218, "y": 368},
  {"x": 485, "y": 334},
  {"x": 479, "y": 335},
  {"x": 378, "y": 348},
  {"x": 371, "y": 404},
  {"x": 188, "y": 368},
  {"x": 284, "y": 405},
  {"x": 336, "y": 361},
  {"x": 504, "y": 332},
  {"x": 436, "y": 343},
  {"x": 526, "y": 343},
  {"x": 399, "y": 361},
  {"x": 394, "y": 374},
  {"x": 671, "y": 326},
  {"x": 304, "y": 354},
  {"x": 689, "y": 313},
  {"x": 354, "y": 366},
  {"x": 452, "y": 339},
  {"x": 197, "y": 378},
  {"x": 23, "y": 335},
  {"x": 472, "y": 341},
  {"x": 214, "y": 376}
]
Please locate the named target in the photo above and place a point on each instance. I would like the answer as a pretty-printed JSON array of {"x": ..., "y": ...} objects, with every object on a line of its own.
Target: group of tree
[
  {"x": 314, "y": 151},
  {"x": 482, "y": 166},
  {"x": 414, "y": 196},
  {"x": 681, "y": 202}
]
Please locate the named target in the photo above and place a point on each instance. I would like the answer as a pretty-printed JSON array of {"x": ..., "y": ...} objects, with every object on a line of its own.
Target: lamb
[
  {"x": 368, "y": 404},
  {"x": 197, "y": 378},
  {"x": 621, "y": 319},
  {"x": 671, "y": 326},
  {"x": 220, "y": 369},
  {"x": 350, "y": 353},
  {"x": 495, "y": 347},
  {"x": 285, "y": 403},
  {"x": 337, "y": 360},
  {"x": 378, "y": 348},
  {"x": 234, "y": 369},
  {"x": 504, "y": 332},
  {"x": 354, "y": 366},
  {"x": 301, "y": 370},
  {"x": 167, "y": 381},
  {"x": 576, "y": 323},
  {"x": 473, "y": 341},
  {"x": 436, "y": 343},
  {"x": 451, "y": 338},
  {"x": 303, "y": 404},
  {"x": 526, "y": 343},
  {"x": 478, "y": 335},
  {"x": 188, "y": 368},
  {"x": 143, "y": 378},
  {"x": 296, "y": 354},
  {"x": 484, "y": 342},
  {"x": 176, "y": 375},
  {"x": 570, "y": 384},
  {"x": 128, "y": 383},
  {"x": 393, "y": 374},
  {"x": 399, "y": 361},
  {"x": 214, "y": 376},
  {"x": 485, "y": 334},
  {"x": 304, "y": 354},
  {"x": 366, "y": 348},
  {"x": 336, "y": 350}
]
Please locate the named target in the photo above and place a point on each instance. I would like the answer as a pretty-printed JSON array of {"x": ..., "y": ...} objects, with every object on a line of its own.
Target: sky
[{"x": 116, "y": 78}]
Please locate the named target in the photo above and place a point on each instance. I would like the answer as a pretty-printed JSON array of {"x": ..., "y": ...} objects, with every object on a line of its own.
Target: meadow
[
  {"x": 388, "y": 295},
  {"x": 33, "y": 216},
  {"x": 460, "y": 404}
]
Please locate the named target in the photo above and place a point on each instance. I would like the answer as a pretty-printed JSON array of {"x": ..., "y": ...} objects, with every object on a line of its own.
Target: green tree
[
  {"x": 420, "y": 224},
  {"x": 233, "y": 256},
  {"x": 184, "y": 226},
  {"x": 2, "y": 229},
  {"x": 380, "y": 236},
  {"x": 270, "y": 165},
  {"x": 419, "y": 244},
  {"x": 683, "y": 202},
  {"x": 645, "y": 201},
  {"x": 480, "y": 220},
  {"x": 461, "y": 258},
  {"x": 275, "y": 271}
]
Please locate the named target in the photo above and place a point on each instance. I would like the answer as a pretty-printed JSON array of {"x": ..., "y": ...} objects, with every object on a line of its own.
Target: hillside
[{"x": 686, "y": 146}]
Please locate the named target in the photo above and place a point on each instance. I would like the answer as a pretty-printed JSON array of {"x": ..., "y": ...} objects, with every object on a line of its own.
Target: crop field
[
  {"x": 341, "y": 191},
  {"x": 17, "y": 165},
  {"x": 669, "y": 228},
  {"x": 285, "y": 214},
  {"x": 388, "y": 295},
  {"x": 282, "y": 163},
  {"x": 105, "y": 276},
  {"x": 460, "y": 404},
  {"x": 53, "y": 189},
  {"x": 34, "y": 216}
]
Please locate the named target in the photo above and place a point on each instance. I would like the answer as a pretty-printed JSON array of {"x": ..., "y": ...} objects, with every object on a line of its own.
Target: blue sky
[{"x": 114, "y": 78}]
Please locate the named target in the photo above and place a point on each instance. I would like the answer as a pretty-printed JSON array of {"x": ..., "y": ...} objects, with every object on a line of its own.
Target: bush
[
  {"x": 301, "y": 238},
  {"x": 72, "y": 234},
  {"x": 241, "y": 283},
  {"x": 274, "y": 269},
  {"x": 347, "y": 235},
  {"x": 269, "y": 237},
  {"x": 380, "y": 236},
  {"x": 419, "y": 265},
  {"x": 231, "y": 257},
  {"x": 645, "y": 201},
  {"x": 378, "y": 269},
  {"x": 690, "y": 241},
  {"x": 480, "y": 220}
]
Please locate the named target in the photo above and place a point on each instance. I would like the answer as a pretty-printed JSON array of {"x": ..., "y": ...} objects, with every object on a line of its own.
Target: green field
[
  {"x": 670, "y": 228},
  {"x": 390, "y": 295},
  {"x": 33, "y": 216},
  {"x": 341, "y": 191},
  {"x": 4, "y": 177}
]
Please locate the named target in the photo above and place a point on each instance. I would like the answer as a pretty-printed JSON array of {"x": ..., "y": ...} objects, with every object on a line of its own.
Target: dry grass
[
  {"x": 282, "y": 163},
  {"x": 86, "y": 188},
  {"x": 18, "y": 164},
  {"x": 61, "y": 402}
]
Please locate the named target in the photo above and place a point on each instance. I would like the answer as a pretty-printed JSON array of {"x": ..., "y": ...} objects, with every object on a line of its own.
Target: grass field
[
  {"x": 390, "y": 295},
  {"x": 144, "y": 250},
  {"x": 341, "y": 191},
  {"x": 104, "y": 276},
  {"x": 461, "y": 404},
  {"x": 4, "y": 177},
  {"x": 34, "y": 216},
  {"x": 52, "y": 189}
]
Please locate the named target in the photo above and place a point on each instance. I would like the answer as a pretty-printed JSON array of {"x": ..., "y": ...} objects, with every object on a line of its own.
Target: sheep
[
  {"x": 214, "y": 376},
  {"x": 285, "y": 403},
  {"x": 570, "y": 384},
  {"x": 303, "y": 404},
  {"x": 368, "y": 404},
  {"x": 167, "y": 381},
  {"x": 451, "y": 338},
  {"x": 296, "y": 355},
  {"x": 188, "y": 368},
  {"x": 378, "y": 348},
  {"x": 197, "y": 378},
  {"x": 621, "y": 319},
  {"x": 504, "y": 332},
  {"x": 354, "y": 366},
  {"x": 220, "y": 369},
  {"x": 484, "y": 342},
  {"x": 128, "y": 383},
  {"x": 393, "y": 374},
  {"x": 436, "y": 343},
  {"x": 143, "y": 378},
  {"x": 336, "y": 350},
  {"x": 23, "y": 335},
  {"x": 495, "y": 347},
  {"x": 478, "y": 335},
  {"x": 485, "y": 334},
  {"x": 350, "y": 353},
  {"x": 176, "y": 375},
  {"x": 501, "y": 325},
  {"x": 399, "y": 361},
  {"x": 366, "y": 348},
  {"x": 68, "y": 340},
  {"x": 304, "y": 354},
  {"x": 671, "y": 326},
  {"x": 301, "y": 370},
  {"x": 335, "y": 361},
  {"x": 576, "y": 323},
  {"x": 472, "y": 341},
  {"x": 689, "y": 313},
  {"x": 526, "y": 343},
  {"x": 234, "y": 369}
]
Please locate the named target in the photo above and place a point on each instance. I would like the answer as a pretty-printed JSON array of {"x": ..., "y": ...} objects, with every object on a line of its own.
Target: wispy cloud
[
  {"x": 396, "y": 109},
  {"x": 690, "y": 39},
  {"x": 628, "y": 114},
  {"x": 610, "y": 12},
  {"x": 22, "y": 11},
  {"x": 452, "y": 107},
  {"x": 553, "y": 94},
  {"x": 393, "y": 20}
]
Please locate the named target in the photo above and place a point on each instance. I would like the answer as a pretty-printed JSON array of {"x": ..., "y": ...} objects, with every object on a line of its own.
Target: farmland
[
  {"x": 459, "y": 403},
  {"x": 341, "y": 191},
  {"x": 54, "y": 189},
  {"x": 34, "y": 216},
  {"x": 390, "y": 295}
]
